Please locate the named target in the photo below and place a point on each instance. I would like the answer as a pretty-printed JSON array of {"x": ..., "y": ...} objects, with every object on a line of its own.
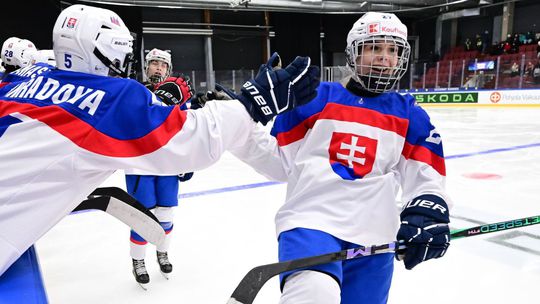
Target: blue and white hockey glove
[
  {"x": 276, "y": 90},
  {"x": 424, "y": 230}
]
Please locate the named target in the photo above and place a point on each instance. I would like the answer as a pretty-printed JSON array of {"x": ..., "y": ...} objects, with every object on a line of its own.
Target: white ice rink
[{"x": 493, "y": 174}]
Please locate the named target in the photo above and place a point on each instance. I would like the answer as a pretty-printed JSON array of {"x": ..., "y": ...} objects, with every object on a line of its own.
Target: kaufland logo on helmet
[
  {"x": 377, "y": 29},
  {"x": 71, "y": 23},
  {"x": 393, "y": 30},
  {"x": 374, "y": 28}
]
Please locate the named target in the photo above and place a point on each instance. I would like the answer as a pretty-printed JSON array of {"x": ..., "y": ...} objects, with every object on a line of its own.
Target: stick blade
[
  {"x": 127, "y": 209},
  {"x": 144, "y": 223},
  {"x": 253, "y": 281}
]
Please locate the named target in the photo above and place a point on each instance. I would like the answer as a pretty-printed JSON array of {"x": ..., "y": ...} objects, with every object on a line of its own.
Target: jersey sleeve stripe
[
  {"x": 296, "y": 133},
  {"x": 423, "y": 154},
  {"x": 85, "y": 136}
]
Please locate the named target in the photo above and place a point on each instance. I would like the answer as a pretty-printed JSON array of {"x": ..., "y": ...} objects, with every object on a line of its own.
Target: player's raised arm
[{"x": 65, "y": 130}]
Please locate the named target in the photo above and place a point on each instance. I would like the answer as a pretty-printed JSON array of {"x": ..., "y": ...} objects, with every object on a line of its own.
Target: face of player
[
  {"x": 157, "y": 68},
  {"x": 377, "y": 57}
]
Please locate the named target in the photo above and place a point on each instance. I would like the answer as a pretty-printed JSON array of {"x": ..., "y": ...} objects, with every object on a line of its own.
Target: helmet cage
[
  {"x": 372, "y": 76},
  {"x": 115, "y": 67}
]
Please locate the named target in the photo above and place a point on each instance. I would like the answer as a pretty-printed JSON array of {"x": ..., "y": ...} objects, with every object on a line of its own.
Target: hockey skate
[
  {"x": 140, "y": 273},
  {"x": 164, "y": 265}
]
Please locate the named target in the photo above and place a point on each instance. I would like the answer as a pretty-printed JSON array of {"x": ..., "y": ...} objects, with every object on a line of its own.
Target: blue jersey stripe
[
  {"x": 7, "y": 121},
  {"x": 388, "y": 103},
  {"x": 394, "y": 104}
]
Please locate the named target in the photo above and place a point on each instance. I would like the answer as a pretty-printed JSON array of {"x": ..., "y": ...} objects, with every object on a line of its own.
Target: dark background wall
[
  {"x": 241, "y": 47},
  {"x": 296, "y": 35},
  {"x": 185, "y": 48},
  {"x": 469, "y": 27},
  {"x": 425, "y": 30},
  {"x": 35, "y": 21},
  {"x": 238, "y": 47},
  {"x": 527, "y": 18}
]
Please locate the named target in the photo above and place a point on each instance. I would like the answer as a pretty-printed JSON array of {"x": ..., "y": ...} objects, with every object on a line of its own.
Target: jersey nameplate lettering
[
  {"x": 87, "y": 99},
  {"x": 30, "y": 71}
]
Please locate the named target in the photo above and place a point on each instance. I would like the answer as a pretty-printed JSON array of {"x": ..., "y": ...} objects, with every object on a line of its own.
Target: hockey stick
[
  {"x": 127, "y": 209},
  {"x": 254, "y": 280}
]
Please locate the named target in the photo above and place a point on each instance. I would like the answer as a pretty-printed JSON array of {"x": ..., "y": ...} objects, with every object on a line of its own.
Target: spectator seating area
[{"x": 457, "y": 60}]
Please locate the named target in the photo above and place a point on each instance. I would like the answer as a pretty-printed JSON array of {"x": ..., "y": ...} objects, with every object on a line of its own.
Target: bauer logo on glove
[
  {"x": 251, "y": 89},
  {"x": 174, "y": 91},
  {"x": 424, "y": 230},
  {"x": 276, "y": 90}
]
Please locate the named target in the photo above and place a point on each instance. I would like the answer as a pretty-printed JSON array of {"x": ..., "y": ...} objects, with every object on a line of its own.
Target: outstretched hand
[
  {"x": 174, "y": 90},
  {"x": 276, "y": 90},
  {"x": 219, "y": 93}
]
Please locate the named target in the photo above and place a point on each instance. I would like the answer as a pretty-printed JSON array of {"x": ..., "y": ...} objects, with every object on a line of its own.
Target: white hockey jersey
[
  {"x": 345, "y": 158},
  {"x": 63, "y": 133}
]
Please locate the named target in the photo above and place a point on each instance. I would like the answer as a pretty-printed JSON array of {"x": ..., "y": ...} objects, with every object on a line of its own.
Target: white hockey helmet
[
  {"x": 92, "y": 40},
  {"x": 46, "y": 56},
  {"x": 371, "y": 30},
  {"x": 158, "y": 55},
  {"x": 18, "y": 52}
]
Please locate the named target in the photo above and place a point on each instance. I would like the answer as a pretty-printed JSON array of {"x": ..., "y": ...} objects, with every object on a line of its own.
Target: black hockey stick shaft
[
  {"x": 115, "y": 192},
  {"x": 99, "y": 199},
  {"x": 254, "y": 280}
]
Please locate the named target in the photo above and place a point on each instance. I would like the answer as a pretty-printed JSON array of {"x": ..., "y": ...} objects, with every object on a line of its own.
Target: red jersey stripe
[
  {"x": 297, "y": 132},
  {"x": 85, "y": 136},
  {"x": 334, "y": 111},
  {"x": 424, "y": 155}
]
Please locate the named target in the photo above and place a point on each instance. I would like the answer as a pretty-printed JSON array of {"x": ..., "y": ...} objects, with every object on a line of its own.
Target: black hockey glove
[
  {"x": 424, "y": 230},
  {"x": 274, "y": 91},
  {"x": 219, "y": 93},
  {"x": 184, "y": 177},
  {"x": 174, "y": 90},
  {"x": 198, "y": 100}
]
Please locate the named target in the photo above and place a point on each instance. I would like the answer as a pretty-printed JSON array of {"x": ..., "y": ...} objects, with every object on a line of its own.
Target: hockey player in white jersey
[
  {"x": 345, "y": 156},
  {"x": 156, "y": 192},
  {"x": 17, "y": 53},
  {"x": 64, "y": 131}
]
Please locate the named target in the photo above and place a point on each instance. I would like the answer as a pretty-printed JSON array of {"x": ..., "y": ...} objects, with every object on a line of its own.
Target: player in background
[
  {"x": 345, "y": 156},
  {"x": 17, "y": 53},
  {"x": 64, "y": 131},
  {"x": 159, "y": 193},
  {"x": 158, "y": 66}
]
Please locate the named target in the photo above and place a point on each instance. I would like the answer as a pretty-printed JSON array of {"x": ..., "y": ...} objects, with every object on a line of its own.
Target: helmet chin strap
[
  {"x": 372, "y": 84},
  {"x": 357, "y": 88},
  {"x": 108, "y": 63},
  {"x": 376, "y": 84}
]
